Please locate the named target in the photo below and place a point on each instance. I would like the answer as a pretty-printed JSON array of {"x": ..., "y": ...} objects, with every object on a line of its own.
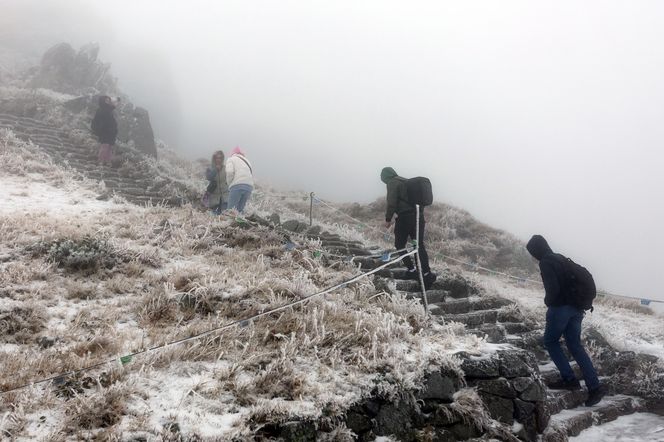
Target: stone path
[
  {"x": 452, "y": 298},
  {"x": 136, "y": 184}
]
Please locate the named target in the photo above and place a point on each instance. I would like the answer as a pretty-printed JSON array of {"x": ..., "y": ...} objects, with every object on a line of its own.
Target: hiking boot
[
  {"x": 562, "y": 384},
  {"x": 429, "y": 279},
  {"x": 594, "y": 396}
]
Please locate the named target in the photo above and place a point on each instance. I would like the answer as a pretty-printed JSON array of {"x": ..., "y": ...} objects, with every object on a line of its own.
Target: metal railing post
[
  {"x": 311, "y": 209},
  {"x": 425, "y": 300}
]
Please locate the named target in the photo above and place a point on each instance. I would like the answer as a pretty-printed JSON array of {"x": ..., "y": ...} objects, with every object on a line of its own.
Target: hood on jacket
[
  {"x": 387, "y": 174},
  {"x": 538, "y": 247},
  {"x": 103, "y": 104},
  {"x": 237, "y": 151},
  {"x": 219, "y": 152}
]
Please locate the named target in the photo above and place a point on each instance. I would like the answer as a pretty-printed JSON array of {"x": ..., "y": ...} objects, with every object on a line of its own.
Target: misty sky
[{"x": 537, "y": 117}]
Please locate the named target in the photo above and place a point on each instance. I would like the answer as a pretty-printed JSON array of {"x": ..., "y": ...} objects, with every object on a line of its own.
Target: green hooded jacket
[{"x": 397, "y": 194}]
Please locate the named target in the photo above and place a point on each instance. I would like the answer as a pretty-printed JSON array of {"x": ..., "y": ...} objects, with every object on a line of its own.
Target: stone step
[
  {"x": 414, "y": 286},
  {"x": 515, "y": 328},
  {"x": 433, "y": 297},
  {"x": 559, "y": 400},
  {"x": 26, "y": 125},
  {"x": 493, "y": 333},
  {"x": 368, "y": 263},
  {"x": 37, "y": 138},
  {"x": 472, "y": 319},
  {"x": 551, "y": 373},
  {"x": 473, "y": 303},
  {"x": 45, "y": 144},
  {"x": 569, "y": 423},
  {"x": 27, "y": 120},
  {"x": 399, "y": 273},
  {"x": 30, "y": 130},
  {"x": 349, "y": 251},
  {"x": 337, "y": 242}
]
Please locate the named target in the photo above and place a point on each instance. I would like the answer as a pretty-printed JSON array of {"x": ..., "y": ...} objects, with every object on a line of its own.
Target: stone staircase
[
  {"x": 563, "y": 413},
  {"x": 129, "y": 180}
]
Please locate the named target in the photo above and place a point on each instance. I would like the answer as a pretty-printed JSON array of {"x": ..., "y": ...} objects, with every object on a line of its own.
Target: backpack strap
[{"x": 245, "y": 162}]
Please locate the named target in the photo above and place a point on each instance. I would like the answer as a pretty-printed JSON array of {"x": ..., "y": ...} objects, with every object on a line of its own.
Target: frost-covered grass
[{"x": 175, "y": 273}]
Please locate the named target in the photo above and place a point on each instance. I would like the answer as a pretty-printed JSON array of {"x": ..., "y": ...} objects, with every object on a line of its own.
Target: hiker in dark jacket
[
  {"x": 217, "y": 185},
  {"x": 105, "y": 128},
  {"x": 562, "y": 318},
  {"x": 403, "y": 214}
]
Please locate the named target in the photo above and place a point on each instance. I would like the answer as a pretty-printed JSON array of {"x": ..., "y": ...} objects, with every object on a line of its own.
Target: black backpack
[
  {"x": 419, "y": 191},
  {"x": 581, "y": 286}
]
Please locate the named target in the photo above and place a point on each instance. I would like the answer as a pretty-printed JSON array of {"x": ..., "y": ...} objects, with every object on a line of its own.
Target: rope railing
[
  {"x": 475, "y": 266},
  {"x": 126, "y": 359}
]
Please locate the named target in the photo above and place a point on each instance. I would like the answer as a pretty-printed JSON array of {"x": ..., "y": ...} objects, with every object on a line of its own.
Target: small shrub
[{"x": 87, "y": 254}]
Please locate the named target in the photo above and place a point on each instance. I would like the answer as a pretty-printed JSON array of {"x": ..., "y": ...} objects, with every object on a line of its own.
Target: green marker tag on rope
[
  {"x": 413, "y": 243},
  {"x": 240, "y": 220},
  {"x": 125, "y": 359},
  {"x": 317, "y": 254}
]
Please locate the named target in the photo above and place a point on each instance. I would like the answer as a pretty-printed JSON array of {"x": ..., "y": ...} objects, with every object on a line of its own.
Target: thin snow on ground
[
  {"x": 637, "y": 427},
  {"x": 30, "y": 196}
]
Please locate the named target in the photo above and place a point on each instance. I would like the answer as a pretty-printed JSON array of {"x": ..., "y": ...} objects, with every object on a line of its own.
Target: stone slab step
[
  {"x": 549, "y": 372},
  {"x": 349, "y": 251},
  {"x": 493, "y": 333},
  {"x": 433, "y": 297},
  {"x": 515, "y": 328},
  {"x": 473, "y": 319},
  {"x": 414, "y": 286},
  {"x": 24, "y": 120},
  {"x": 569, "y": 423},
  {"x": 473, "y": 303},
  {"x": 559, "y": 400}
]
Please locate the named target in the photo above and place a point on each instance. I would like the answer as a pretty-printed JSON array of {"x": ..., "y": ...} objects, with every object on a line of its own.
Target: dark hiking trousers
[
  {"x": 566, "y": 320},
  {"x": 404, "y": 228}
]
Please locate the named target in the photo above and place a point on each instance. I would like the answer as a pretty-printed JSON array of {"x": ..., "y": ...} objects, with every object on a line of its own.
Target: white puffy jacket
[{"x": 239, "y": 172}]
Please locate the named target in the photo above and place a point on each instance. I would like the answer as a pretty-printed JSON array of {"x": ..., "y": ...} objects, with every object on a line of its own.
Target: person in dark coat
[
  {"x": 105, "y": 128},
  {"x": 217, "y": 183},
  {"x": 403, "y": 214},
  {"x": 562, "y": 318}
]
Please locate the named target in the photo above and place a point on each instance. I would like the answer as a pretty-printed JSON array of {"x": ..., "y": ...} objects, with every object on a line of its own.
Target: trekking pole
[
  {"x": 417, "y": 257},
  {"x": 311, "y": 209}
]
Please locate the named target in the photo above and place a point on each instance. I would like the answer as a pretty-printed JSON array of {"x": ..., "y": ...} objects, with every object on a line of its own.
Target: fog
[{"x": 537, "y": 117}]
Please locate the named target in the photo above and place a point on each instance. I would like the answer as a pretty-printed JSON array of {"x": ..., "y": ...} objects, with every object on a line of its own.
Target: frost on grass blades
[{"x": 83, "y": 288}]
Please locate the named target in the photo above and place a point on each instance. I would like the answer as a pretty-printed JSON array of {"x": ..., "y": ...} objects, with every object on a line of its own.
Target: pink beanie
[{"x": 236, "y": 150}]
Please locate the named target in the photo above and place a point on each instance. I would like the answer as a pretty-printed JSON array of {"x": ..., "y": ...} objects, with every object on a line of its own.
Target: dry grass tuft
[
  {"x": 76, "y": 289},
  {"x": 20, "y": 324},
  {"x": 102, "y": 409},
  {"x": 157, "y": 308}
]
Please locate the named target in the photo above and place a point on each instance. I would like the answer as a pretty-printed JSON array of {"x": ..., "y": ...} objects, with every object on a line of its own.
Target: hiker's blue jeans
[
  {"x": 566, "y": 321},
  {"x": 238, "y": 195}
]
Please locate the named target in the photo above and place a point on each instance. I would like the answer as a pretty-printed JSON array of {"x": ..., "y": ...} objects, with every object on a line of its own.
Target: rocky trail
[{"x": 127, "y": 179}]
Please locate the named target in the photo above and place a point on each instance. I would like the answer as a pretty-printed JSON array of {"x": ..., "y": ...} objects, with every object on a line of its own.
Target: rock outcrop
[{"x": 62, "y": 69}]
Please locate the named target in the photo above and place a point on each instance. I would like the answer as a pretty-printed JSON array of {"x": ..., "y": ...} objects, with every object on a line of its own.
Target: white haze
[{"x": 538, "y": 117}]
